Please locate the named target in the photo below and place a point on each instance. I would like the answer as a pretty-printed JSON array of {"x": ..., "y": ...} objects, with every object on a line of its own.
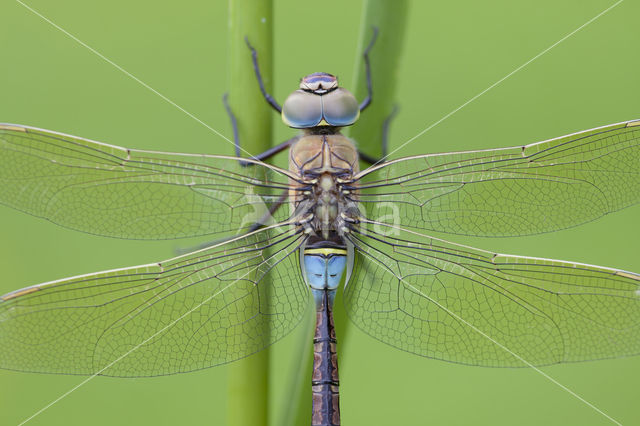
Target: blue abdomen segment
[
  {"x": 324, "y": 272},
  {"x": 323, "y": 268}
]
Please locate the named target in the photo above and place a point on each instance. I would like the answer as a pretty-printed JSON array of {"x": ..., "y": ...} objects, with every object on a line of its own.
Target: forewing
[
  {"x": 522, "y": 190},
  {"x": 460, "y": 304},
  {"x": 113, "y": 191},
  {"x": 191, "y": 312}
]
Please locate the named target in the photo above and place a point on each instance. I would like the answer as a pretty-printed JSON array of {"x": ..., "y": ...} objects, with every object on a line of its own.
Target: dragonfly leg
[
  {"x": 236, "y": 139},
  {"x": 385, "y": 140},
  {"x": 272, "y": 209},
  {"x": 256, "y": 68},
  {"x": 385, "y": 130},
  {"x": 264, "y": 220},
  {"x": 367, "y": 66}
]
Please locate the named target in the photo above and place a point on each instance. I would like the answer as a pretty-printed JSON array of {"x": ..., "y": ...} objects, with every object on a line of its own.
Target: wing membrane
[
  {"x": 118, "y": 192},
  {"x": 426, "y": 296},
  {"x": 191, "y": 312},
  {"x": 521, "y": 190}
]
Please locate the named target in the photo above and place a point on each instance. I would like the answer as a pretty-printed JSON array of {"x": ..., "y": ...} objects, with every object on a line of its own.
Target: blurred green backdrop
[{"x": 453, "y": 51}]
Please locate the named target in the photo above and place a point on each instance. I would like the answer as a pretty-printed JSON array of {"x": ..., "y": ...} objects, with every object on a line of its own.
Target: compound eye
[
  {"x": 340, "y": 108},
  {"x": 302, "y": 110}
]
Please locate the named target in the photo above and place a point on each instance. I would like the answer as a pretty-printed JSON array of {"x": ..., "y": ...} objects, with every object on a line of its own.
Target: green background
[{"x": 453, "y": 51}]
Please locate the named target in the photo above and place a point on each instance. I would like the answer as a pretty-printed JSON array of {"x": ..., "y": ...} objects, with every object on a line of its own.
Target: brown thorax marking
[{"x": 323, "y": 161}]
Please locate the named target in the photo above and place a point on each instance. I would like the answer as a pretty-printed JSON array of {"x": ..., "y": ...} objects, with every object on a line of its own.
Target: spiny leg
[
  {"x": 385, "y": 131},
  {"x": 261, "y": 222},
  {"x": 272, "y": 210},
  {"x": 367, "y": 101},
  {"x": 367, "y": 66},
  {"x": 385, "y": 140},
  {"x": 256, "y": 68},
  {"x": 236, "y": 139}
]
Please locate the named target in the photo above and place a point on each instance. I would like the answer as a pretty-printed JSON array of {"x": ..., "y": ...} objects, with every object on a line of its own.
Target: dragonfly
[{"x": 288, "y": 235}]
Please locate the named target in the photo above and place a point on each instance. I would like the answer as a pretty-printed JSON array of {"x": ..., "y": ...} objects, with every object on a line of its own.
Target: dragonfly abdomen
[
  {"x": 324, "y": 382},
  {"x": 323, "y": 264}
]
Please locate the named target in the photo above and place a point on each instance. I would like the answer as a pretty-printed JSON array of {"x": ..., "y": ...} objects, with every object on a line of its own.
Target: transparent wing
[
  {"x": 118, "y": 192},
  {"x": 437, "y": 299},
  {"x": 191, "y": 312},
  {"x": 521, "y": 190}
]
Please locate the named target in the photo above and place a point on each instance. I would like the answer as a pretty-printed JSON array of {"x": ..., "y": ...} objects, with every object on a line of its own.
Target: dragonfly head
[{"x": 320, "y": 102}]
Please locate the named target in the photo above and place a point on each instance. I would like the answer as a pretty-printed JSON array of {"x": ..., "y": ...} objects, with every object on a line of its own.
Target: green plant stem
[
  {"x": 248, "y": 387},
  {"x": 297, "y": 407},
  {"x": 389, "y": 17}
]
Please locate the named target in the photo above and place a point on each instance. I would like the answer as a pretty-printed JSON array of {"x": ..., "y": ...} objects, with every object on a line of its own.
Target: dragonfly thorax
[
  {"x": 327, "y": 204},
  {"x": 325, "y": 163},
  {"x": 325, "y": 208}
]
